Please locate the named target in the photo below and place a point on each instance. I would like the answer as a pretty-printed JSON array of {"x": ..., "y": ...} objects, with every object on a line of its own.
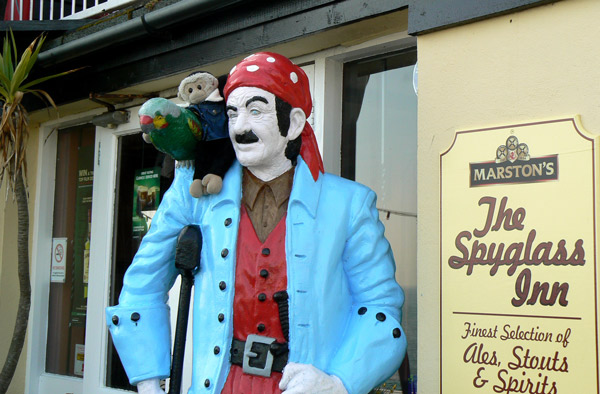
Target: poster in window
[
  {"x": 81, "y": 240},
  {"x": 518, "y": 260},
  {"x": 146, "y": 197}
]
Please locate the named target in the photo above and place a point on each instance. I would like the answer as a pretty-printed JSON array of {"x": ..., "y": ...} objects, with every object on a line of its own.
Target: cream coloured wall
[{"x": 541, "y": 63}]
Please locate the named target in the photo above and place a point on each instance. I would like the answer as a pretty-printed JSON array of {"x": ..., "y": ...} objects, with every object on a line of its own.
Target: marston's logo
[{"x": 513, "y": 164}]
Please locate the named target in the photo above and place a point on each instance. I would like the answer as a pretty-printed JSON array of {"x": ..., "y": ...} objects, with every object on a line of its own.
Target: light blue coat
[{"x": 337, "y": 262}]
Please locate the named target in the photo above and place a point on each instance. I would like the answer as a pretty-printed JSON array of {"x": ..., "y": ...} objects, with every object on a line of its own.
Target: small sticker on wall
[
  {"x": 79, "y": 357},
  {"x": 59, "y": 260}
]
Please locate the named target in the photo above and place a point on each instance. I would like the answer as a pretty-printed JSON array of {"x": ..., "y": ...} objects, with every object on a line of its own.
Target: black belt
[{"x": 259, "y": 355}]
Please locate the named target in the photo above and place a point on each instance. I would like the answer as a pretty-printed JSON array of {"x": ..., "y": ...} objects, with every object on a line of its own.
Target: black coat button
[
  {"x": 396, "y": 332},
  {"x": 207, "y": 383},
  {"x": 224, "y": 253},
  {"x": 221, "y": 317},
  {"x": 266, "y": 251},
  {"x": 362, "y": 310},
  {"x": 261, "y": 327},
  {"x": 135, "y": 316},
  {"x": 262, "y": 297},
  {"x": 264, "y": 273},
  {"x": 115, "y": 320},
  {"x": 217, "y": 350},
  {"x": 228, "y": 222},
  {"x": 380, "y": 316},
  {"x": 222, "y": 285}
]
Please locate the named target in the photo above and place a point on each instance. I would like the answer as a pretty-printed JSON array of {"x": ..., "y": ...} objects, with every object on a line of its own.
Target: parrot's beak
[{"x": 145, "y": 119}]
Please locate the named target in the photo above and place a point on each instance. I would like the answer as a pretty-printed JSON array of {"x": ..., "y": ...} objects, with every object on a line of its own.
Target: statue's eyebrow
[
  {"x": 231, "y": 107},
  {"x": 256, "y": 98}
]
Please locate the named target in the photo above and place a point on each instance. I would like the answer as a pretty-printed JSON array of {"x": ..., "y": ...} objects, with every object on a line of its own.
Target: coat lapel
[{"x": 301, "y": 248}]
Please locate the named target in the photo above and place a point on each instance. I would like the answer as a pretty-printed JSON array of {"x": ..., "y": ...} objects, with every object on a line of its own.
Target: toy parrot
[{"x": 171, "y": 129}]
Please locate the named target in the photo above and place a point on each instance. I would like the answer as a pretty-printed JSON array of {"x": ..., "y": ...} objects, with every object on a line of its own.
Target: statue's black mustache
[{"x": 247, "y": 138}]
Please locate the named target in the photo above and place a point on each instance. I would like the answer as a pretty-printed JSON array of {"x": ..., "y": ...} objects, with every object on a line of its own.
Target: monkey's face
[{"x": 197, "y": 88}]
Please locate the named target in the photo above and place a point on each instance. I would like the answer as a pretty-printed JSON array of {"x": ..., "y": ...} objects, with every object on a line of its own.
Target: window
[
  {"x": 379, "y": 149},
  {"x": 74, "y": 326},
  {"x": 69, "y": 277}
]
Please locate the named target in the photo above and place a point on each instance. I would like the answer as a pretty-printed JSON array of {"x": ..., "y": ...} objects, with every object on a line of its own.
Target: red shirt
[{"x": 260, "y": 273}]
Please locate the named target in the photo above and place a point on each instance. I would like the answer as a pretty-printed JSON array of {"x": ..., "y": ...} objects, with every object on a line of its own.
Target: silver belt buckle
[{"x": 248, "y": 354}]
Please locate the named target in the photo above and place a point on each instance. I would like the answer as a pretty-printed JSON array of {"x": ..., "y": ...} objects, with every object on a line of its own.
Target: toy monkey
[{"x": 214, "y": 153}]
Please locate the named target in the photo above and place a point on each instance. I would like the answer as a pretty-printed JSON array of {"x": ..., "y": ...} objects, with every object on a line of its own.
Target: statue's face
[{"x": 254, "y": 132}]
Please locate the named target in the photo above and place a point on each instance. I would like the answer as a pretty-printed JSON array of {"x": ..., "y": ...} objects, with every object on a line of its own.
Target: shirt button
[
  {"x": 135, "y": 316},
  {"x": 362, "y": 310},
  {"x": 224, "y": 253},
  {"x": 222, "y": 285},
  {"x": 261, "y": 327},
  {"x": 228, "y": 222},
  {"x": 266, "y": 251},
  {"x": 396, "y": 332},
  {"x": 207, "y": 383},
  {"x": 221, "y": 317},
  {"x": 115, "y": 320},
  {"x": 264, "y": 273},
  {"x": 262, "y": 297},
  {"x": 217, "y": 350},
  {"x": 380, "y": 316}
]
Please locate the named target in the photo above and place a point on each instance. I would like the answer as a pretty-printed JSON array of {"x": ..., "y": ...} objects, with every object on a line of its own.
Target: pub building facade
[{"x": 392, "y": 81}]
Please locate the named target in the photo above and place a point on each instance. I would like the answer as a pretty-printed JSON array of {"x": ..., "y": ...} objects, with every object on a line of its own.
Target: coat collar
[
  {"x": 231, "y": 193},
  {"x": 305, "y": 191}
]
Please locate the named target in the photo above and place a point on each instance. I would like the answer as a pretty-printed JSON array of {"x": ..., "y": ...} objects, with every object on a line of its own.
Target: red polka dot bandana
[{"x": 277, "y": 74}]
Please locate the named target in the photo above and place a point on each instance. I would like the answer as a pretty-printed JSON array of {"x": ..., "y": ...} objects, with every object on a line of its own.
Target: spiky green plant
[{"x": 13, "y": 143}]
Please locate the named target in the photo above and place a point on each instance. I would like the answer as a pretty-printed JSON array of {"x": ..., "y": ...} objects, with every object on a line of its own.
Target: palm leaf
[
  {"x": 3, "y": 93},
  {"x": 43, "y": 79},
  {"x": 2, "y": 64},
  {"x": 4, "y": 82},
  {"x": 21, "y": 70},
  {"x": 36, "y": 50},
  {"x": 7, "y": 54},
  {"x": 14, "y": 44},
  {"x": 43, "y": 95}
]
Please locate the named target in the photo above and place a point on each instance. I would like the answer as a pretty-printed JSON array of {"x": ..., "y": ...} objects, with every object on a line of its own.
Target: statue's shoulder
[{"x": 331, "y": 181}]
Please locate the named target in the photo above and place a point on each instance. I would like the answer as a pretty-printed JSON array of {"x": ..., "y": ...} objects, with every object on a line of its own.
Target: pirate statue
[{"x": 296, "y": 290}]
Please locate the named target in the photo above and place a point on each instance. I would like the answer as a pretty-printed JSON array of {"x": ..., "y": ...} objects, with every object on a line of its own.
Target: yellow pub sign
[{"x": 518, "y": 260}]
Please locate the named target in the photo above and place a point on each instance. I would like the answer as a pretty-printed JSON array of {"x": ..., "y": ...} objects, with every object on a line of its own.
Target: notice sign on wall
[
  {"x": 59, "y": 260},
  {"x": 518, "y": 260}
]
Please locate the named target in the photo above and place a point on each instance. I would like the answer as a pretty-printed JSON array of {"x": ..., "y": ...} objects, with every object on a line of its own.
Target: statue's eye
[
  {"x": 190, "y": 90},
  {"x": 254, "y": 112},
  {"x": 199, "y": 87}
]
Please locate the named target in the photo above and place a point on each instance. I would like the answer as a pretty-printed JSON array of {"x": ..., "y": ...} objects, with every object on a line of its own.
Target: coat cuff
[{"x": 142, "y": 337}]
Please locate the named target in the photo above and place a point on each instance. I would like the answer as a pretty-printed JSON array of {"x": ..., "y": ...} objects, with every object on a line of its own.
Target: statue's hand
[
  {"x": 306, "y": 379},
  {"x": 150, "y": 386}
]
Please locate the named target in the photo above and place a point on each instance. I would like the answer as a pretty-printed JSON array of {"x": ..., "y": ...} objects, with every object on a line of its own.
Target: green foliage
[{"x": 13, "y": 85}]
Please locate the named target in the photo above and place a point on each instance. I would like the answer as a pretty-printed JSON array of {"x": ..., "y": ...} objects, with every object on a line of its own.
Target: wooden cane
[{"x": 187, "y": 261}]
